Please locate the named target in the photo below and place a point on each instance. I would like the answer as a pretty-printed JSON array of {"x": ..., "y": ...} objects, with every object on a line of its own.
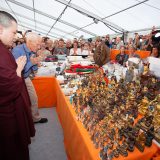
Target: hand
[
  {"x": 41, "y": 57},
  {"x": 34, "y": 60},
  {"x": 21, "y": 61}
]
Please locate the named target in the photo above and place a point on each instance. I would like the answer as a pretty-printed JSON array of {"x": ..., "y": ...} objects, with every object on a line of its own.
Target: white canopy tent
[{"x": 70, "y": 19}]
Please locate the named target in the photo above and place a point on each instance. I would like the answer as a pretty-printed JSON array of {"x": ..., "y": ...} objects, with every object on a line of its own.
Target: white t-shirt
[{"x": 72, "y": 51}]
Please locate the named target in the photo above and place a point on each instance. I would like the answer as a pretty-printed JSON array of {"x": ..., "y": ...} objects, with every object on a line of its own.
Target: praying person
[
  {"x": 16, "y": 124},
  {"x": 28, "y": 49}
]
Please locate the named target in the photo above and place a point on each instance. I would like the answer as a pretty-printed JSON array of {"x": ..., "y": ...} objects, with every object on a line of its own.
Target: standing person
[
  {"x": 75, "y": 50},
  {"x": 16, "y": 124},
  {"x": 28, "y": 49},
  {"x": 132, "y": 53},
  {"x": 137, "y": 42},
  {"x": 129, "y": 43},
  {"x": 61, "y": 49},
  {"x": 107, "y": 41},
  {"x": 155, "y": 52},
  {"x": 86, "y": 49},
  {"x": 119, "y": 43}
]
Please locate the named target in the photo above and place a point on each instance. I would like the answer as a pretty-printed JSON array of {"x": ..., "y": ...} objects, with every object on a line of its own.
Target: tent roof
[{"x": 73, "y": 18}]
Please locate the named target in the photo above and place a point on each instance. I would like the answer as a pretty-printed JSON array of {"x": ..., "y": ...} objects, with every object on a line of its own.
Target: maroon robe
[{"x": 16, "y": 124}]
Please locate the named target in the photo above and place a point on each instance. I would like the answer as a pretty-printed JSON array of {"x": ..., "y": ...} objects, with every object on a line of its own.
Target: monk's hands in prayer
[{"x": 21, "y": 61}]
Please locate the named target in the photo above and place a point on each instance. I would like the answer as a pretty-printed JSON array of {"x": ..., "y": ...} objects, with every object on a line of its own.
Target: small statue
[
  {"x": 143, "y": 106},
  {"x": 146, "y": 70},
  {"x": 129, "y": 74}
]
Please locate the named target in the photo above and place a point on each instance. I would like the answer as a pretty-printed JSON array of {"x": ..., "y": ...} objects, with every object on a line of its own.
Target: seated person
[
  {"x": 122, "y": 58},
  {"x": 132, "y": 53},
  {"x": 61, "y": 49},
  {"x": 154, "y": 52},
  {"x": 75, "y": 50},
  {"x": 85, "y": 49}
]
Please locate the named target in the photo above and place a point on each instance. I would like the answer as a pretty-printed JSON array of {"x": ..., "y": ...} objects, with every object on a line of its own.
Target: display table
[
  {"x": 76, "y": 139},
  {"x": 45, "y": 89}
]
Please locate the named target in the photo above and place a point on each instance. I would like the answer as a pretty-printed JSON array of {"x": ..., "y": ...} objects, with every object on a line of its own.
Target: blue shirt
[{"x": 22, "y": 50}]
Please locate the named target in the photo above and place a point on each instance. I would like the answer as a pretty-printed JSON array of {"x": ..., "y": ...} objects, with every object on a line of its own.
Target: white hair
[{"x": 32, "y": 37}]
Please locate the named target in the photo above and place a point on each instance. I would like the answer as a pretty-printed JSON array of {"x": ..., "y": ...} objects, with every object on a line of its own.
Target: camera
[
  {"x": 20, "y": 32},
  {"x": 90, "y": 40},
  {"x": 156, "y": 37}
]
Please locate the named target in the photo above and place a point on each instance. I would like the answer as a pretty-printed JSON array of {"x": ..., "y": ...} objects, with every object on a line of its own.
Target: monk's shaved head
[
  {"x": 8, "y": 28},
  {"x": 6, "y": 19}
]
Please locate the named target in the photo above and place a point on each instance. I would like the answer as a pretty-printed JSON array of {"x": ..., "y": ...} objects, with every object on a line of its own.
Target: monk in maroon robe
[{"x": 16, "y": 124}]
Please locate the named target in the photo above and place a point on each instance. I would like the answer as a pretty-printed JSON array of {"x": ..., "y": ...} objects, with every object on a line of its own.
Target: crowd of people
[
  {"x": 48, "y": 47},
  {"x": 87, "y": 47}
]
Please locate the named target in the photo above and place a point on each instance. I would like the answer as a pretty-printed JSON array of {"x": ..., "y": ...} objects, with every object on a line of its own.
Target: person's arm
[
  {"x": 39, "y": 53},
  {"x": 17, "y": 52},
  {"x": 10, "y": 83},
  {"x": 21, "y": 61},
  {"x": 90, "y": 53},
  {"x": 32, "y": 63}
]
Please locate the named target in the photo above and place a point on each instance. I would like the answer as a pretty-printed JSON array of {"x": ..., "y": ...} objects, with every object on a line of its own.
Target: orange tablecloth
[
  {"x": 143, "y": 54},
  {"x": 76, "y": 139},
  {"x": 45, "y": 89}
]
